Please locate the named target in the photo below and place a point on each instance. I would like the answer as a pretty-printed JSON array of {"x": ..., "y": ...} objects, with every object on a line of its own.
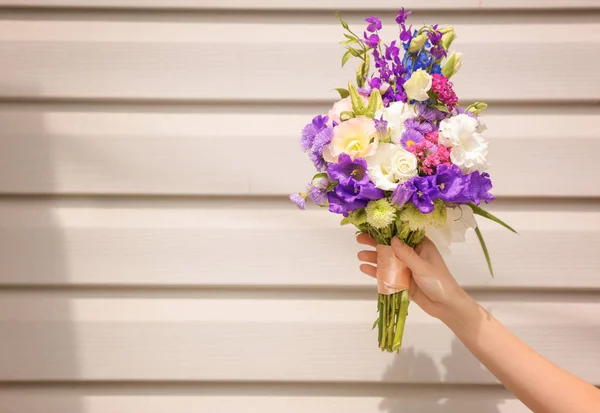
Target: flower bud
[
  {"x": 417, "y": 43},
  {"x": 448, "y": 36},
  {"x": 452, "y": 65}
]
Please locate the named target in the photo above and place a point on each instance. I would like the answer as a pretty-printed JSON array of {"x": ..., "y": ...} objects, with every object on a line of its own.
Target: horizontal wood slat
[
  {"x": 309, "y": 4},
  {"x": 266, "y": 244},
  {"x": 65, "y": 337},
  {"x": 232, "y": 151},
  {"x": 252, "y": 62},
  {"x": 168, "y": 399}
]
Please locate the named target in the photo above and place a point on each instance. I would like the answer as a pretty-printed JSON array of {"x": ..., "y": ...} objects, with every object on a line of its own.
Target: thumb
[{"x": 408, "y": 256}]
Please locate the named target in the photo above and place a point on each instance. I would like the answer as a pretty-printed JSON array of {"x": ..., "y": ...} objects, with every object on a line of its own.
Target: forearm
[{"x": 538, "y": 383}]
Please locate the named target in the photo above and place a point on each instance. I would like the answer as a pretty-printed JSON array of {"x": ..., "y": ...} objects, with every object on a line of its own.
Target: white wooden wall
[{"x": 150, "y": 262}]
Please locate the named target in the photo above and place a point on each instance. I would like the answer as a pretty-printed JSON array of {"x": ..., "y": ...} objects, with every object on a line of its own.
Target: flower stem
[{"x": 403, "y": 313}]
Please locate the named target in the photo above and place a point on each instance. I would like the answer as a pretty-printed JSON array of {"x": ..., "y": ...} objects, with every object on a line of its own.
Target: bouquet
[{"x": 398, "y": 157}]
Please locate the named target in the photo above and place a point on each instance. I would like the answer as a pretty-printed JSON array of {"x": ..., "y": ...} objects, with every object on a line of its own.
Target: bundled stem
[{"x": 393, "y": 308}]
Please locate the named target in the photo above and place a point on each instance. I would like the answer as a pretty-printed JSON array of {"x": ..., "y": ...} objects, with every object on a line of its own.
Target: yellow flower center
[
  {"x": 355, "y": 146},
  {"x": 409, "y": 143}
]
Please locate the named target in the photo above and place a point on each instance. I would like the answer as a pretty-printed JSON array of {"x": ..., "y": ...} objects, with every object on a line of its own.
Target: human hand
[{"x": 432, "y": 287}]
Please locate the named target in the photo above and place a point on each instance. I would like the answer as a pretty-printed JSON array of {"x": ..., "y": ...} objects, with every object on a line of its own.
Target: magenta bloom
[
  {"x": 402, "y": 16},
  {"x": 354, "y": 190},
  {"x": 374, "y": 24},
  {"x": 443, "y": 87}
]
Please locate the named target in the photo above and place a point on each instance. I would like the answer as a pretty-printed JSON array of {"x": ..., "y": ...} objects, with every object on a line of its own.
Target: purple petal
[
  {"x": 298, "y": 200},
  {"x": 403, "y": 193}
]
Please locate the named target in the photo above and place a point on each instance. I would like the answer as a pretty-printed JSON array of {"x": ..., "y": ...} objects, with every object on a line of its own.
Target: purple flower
[
  {"x": 310, "y": 130},
  {"x": 423, "y": 128},
  {"x": 480, "y": 186},
  {"x": 430, "y": 114},
  {"x": 426, "y": 192},
  {"x": 402, "y": 16},
  {"x": 403, "y": 193},
  {"x": 453, "y": 185},
  {"x": 298, "y": 200},
  {"x": 317, "y": 192},
  {"x": 392, "y": 52},
  {"x": 374, "y": 24},
  {"x": 381, "y": 125},
  {"x": 354, "y": 190},
  {"x": 320, "y": 140},
  {"x": 375, "y": 83},
  {"x": 434, "y": 36},
  {"x": 411, "y": 137},
  {"x": 371, "y": 40},
  {"x": 438, "y": 52},
  {"x": 406, "y": 34}
]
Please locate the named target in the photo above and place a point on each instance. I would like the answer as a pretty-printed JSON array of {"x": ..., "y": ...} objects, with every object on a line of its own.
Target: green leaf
[
  {"x": 350, "y": 37},
  {"x": 320, "y": 175},
  {"x": 354, "y": 52},
  {"x": 343, "y": 92},
  {"x": 346, "y": 57},
  {"x": 442, "y": 108},
  {"x": 480, "y": 211},
  {"x": 485, "y": 250},
  {"x": 339, "y": 16},
  {"x": 345, "y": 115},
  {"x": 477, "y": 107},
  {"x": 375, "y": 323}
]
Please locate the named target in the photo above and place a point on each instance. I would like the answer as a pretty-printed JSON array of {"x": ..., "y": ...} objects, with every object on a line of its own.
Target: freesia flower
[
  {"x": 391, "y": 165},
  {"x": 418, "y": 85},
  {"x": 354, "y": 190},
  {"x": 356, "y": 137},
  {"x": 343, "y": 105},
  {"x": 469, "y": 149},
  {"x": 396, "y": 115}
]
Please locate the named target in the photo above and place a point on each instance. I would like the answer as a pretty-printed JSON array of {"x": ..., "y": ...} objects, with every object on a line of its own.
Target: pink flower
[
  {"x": 429, "y": 154},
  {"x": 443, "y": 87}
]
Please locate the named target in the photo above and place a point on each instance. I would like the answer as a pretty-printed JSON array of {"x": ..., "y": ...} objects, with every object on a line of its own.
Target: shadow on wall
[
  {"x": 37, "y": 339},
  {"x": 459, "y": 365}
]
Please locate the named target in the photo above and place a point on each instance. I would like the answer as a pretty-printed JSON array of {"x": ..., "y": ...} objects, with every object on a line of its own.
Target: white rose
[
  {"x": 418, "y": 85},
  {"x": 460, "y": 219},
  {"x": 469, "y": 149},
  {"x": 390, "y": 166},
  {"x": 395, "y": 115}
]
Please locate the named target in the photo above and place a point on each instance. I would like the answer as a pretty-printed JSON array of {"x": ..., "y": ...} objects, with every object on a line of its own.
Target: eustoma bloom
[{"x": 397, "y": 156}]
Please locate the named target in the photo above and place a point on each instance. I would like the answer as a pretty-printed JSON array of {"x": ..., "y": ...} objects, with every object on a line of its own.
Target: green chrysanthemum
[
  {"x": 416, "y": 220},
  {"x": 380, "y": 213},
  {"x": 356, "y": 218}
]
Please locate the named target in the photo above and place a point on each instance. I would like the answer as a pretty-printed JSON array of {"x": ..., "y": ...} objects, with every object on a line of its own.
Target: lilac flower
[
  {"x": 403, "y": 193},
  {"x": 429, "y": 114},
  {"x": 374, "y": 24},
  {"x": 438, "y": 52},
  {"x": 402, "y": 16},
  {"x": 317, "y": 192},
  {"x": 422, "y": 128},
  {"x": 411, "y": 137},
  {"x": 453, "y": 185},
  {"x": 320, "y": 140},
  {"x": 480, "y": 186},
  {"x": 381, "y": 125},
  {"x": 371, "y": 40},
  {"x": 354, "y": 190},
  {"x": 310, "y": 131},
  {"x": 299, "y": 200}
]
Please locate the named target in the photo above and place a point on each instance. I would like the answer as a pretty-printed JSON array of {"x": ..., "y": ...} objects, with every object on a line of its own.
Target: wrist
[{"x": 462, "y": 312}]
